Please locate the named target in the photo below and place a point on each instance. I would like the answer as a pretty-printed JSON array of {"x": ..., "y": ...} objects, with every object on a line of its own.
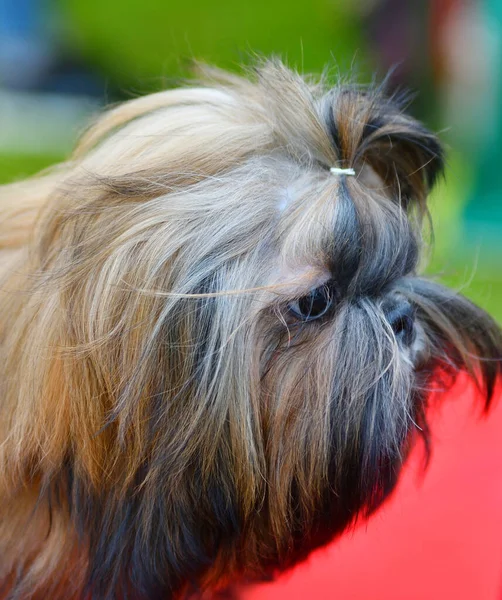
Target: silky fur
[{"x": 167, "y": 423}]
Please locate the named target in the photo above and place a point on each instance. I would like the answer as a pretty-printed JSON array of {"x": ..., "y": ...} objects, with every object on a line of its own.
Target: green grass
[
  {"x": 14, "y": 167},
  {"x": 483, "y": 285},
  {"x": 149, "y": 42},
  {"x": 457, "y": 263}
]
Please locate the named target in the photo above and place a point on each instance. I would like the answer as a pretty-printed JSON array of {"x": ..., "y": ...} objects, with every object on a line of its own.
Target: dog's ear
[{"x": 406, "y": 155}]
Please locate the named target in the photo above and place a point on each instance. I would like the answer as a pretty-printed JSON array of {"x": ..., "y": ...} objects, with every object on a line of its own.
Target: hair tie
[{"x": 337, "y": 171}]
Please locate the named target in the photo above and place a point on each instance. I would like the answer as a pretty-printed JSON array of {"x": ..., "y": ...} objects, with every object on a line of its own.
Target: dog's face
[{"x": 247, "y": 342}]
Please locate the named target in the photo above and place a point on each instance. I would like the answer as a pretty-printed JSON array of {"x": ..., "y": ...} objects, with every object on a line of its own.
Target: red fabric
[{"x": 438, "y": 538}]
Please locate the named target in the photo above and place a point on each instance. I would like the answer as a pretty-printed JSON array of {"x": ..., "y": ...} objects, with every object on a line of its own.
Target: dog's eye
[{"x": 313, "y": 305}]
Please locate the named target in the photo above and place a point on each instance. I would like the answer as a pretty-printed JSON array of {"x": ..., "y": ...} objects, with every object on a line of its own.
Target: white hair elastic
[{"x": 337, "y": 171}]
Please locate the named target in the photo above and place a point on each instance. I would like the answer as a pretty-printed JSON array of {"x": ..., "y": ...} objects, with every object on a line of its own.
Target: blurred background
[{"x": 61, "y": 61}]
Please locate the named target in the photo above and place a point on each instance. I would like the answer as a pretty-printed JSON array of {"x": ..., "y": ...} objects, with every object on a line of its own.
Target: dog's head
[{"x": 241, "y": 346}]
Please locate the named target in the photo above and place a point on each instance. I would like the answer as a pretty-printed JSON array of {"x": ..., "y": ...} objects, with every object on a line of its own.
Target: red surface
[{"x": 438, "y": 538}]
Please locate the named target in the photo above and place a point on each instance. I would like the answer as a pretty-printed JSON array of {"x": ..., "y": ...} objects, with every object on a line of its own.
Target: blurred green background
[{"x": 61, "y": 61}]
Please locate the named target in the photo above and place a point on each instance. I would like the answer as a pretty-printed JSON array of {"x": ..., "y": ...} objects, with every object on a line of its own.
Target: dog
[{"x": 217, "y": 349}]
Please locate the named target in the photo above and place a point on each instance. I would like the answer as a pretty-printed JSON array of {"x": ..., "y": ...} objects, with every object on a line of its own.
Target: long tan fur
[{"x": 156, "y": 395}]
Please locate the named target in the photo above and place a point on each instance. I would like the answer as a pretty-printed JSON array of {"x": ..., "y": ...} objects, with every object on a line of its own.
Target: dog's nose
[{"x": 401, "y": 318}]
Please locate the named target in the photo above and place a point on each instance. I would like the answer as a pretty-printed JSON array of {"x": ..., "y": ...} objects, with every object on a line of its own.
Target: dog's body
[{"x": 216, "y": 349}]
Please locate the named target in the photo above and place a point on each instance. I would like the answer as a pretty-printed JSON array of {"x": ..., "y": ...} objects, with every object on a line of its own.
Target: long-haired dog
[{"x": 216, "y": 348}]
